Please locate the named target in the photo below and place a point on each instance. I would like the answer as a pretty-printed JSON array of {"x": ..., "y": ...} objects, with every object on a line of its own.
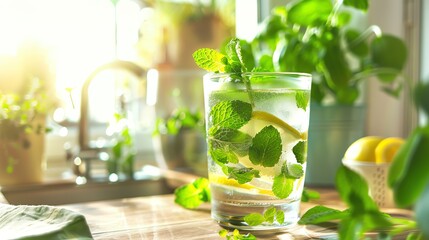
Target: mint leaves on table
[
  {"x": 236, "y": 235},
  {"x": 193, "y": 194},
  {"x": 270, "y": 215},
  {"x": 362, "y": 214}
]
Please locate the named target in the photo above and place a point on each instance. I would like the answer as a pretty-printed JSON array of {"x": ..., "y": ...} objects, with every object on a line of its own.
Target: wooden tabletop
[{"x": 158, "y": 217}]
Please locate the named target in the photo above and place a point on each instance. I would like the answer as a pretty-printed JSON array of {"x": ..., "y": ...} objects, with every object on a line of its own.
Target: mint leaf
[
  {"x": 231, "y": 114},
  {"x": 254, "y": 219},
  {"x": 321, "y": 214},
  {"x": 193, "y": 194},
  {"x": 282, "y": 186},
  {"x": 233, "y": 51},
  {"x": 302, "y": 99},
  {"x": 242, "y": 175},
  {"x": 235, "y": 235},
  {"x": 308, "y": 194},
  {"x": 294, "y": 170},
  {"x": 266, "y": 147},
  {"x": 300, "y": 151},
  {"x": 223, "y": 155},
  {"x": 209, "y": 59},
  {"x": 280, "y": 217},
  {"x": 269, "y": 214},
  {"x": 235, "y": 140}
]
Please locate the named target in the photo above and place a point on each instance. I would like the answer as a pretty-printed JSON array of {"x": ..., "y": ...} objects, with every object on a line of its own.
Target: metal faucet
[
  {"x": 86, "y": 152},
  {"x": 84, "y": 118}
]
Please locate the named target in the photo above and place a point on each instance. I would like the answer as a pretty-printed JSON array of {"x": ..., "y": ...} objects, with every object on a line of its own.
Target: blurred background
[{"x": 121, "y": 82}]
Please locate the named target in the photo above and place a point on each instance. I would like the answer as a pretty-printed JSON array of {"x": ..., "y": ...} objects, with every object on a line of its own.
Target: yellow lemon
[
  {"x": 223, "y": 180},
  {"x": 363, "y": 149},
  {"x": 386, "y": 149},
  {"x": 270, "y": 118}
]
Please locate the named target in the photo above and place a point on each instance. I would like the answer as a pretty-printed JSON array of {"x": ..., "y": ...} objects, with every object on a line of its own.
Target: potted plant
[
  {"x": 25, "y": 102},
  {"x": 318, "y": 37},
  {"x": 183, "y": 143},
  {"x": 22, "y": 138}
]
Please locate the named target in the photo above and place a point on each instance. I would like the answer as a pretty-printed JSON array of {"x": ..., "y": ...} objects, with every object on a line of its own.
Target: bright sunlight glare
[{"x": 79, "y": 34}]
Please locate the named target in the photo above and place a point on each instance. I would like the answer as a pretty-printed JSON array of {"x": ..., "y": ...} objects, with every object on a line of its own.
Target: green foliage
[
  {"x": 123, "y": 153},
  {"x": 181, "y": 118},
  {"x": 313, "y": 36},
  {"x": 231, "y": 114},
  {"x": 192, "y": 195},
  {"x": 18, "y": 112},
  {"x": 308, "y": 195},
  {"x": 270, "y": 215},
  {"x": 300, "y": 151},
  {"x": 235, "y": 235}
]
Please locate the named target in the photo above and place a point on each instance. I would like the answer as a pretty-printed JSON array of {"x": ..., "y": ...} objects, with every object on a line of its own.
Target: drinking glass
[{"x": 257, "y": 128}]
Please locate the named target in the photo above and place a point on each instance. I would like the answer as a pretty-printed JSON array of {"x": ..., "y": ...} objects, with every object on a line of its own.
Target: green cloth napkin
[{"x": 41, "y": 222}]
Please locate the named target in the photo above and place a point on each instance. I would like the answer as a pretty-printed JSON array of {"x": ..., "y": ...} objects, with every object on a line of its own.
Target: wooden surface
[{"x": 158, "y": 217}]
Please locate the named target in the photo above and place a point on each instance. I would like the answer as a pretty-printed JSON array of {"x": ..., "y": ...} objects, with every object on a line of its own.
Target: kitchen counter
[{"x": 158, "y": 217}]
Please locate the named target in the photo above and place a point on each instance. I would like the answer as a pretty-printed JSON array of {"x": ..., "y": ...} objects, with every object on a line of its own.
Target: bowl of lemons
[{"x": 371, "y": 157}]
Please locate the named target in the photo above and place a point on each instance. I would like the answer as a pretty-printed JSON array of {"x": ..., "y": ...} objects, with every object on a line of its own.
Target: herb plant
[
  {"x": 181, "y": 118},
  {"x": 315, "y": 36},
  {"x": 18, "y": 114},
  {"x": 408, "y": 179}
]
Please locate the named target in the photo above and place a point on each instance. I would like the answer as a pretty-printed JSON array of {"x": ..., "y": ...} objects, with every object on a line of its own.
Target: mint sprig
[
  {"x": 192, "y": 195},
  {"x": 235, "y": 235}
]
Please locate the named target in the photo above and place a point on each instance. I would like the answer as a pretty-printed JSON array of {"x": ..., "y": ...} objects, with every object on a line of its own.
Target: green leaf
[
  {"x": 237, "y": 57},
  {"x": 353, "y": 189},
  {"x": 308, "y": 195},
  {"x": 339, "y": 73},
  {"x": 231, "y": 114},
  {"x": 302, "y": 99},
  {"x": 209, "y": 59},
  {"x": 232, "y": 139},
  {"x": 223, "y": 155},
  {"x": 265, "y": 64},
  {"x": 321, "y": 214},
  {"x": 270, "y": 214},
  {"x": 357, "y": 47},
  {"x": 242, "y": 175},
  {"x": 282, "y": 186},
  {"x": 421, "y": 97},
  {"x": 280, "y": 217},
  {"x": 414, "y": 178},
  {"x": 358, "y": 4},
  {"x": 382, "y": 55},
  {"x": 300, "y": 151},
  {"x": 351, "y": 228},
  {"x": 266, "y": 147},
  {"x": 294, "y": 170},
  {"x": 193, "y": 194},
  {"x": 310, "y": 12},
  {"x": 254, "y": 219}
]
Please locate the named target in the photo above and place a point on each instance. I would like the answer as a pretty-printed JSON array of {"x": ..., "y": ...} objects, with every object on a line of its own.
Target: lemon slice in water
[{"x": 223, "y": 180}]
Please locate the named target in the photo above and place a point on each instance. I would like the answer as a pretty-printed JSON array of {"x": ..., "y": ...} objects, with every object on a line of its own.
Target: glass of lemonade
[{"x": 257, "y": 127}]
